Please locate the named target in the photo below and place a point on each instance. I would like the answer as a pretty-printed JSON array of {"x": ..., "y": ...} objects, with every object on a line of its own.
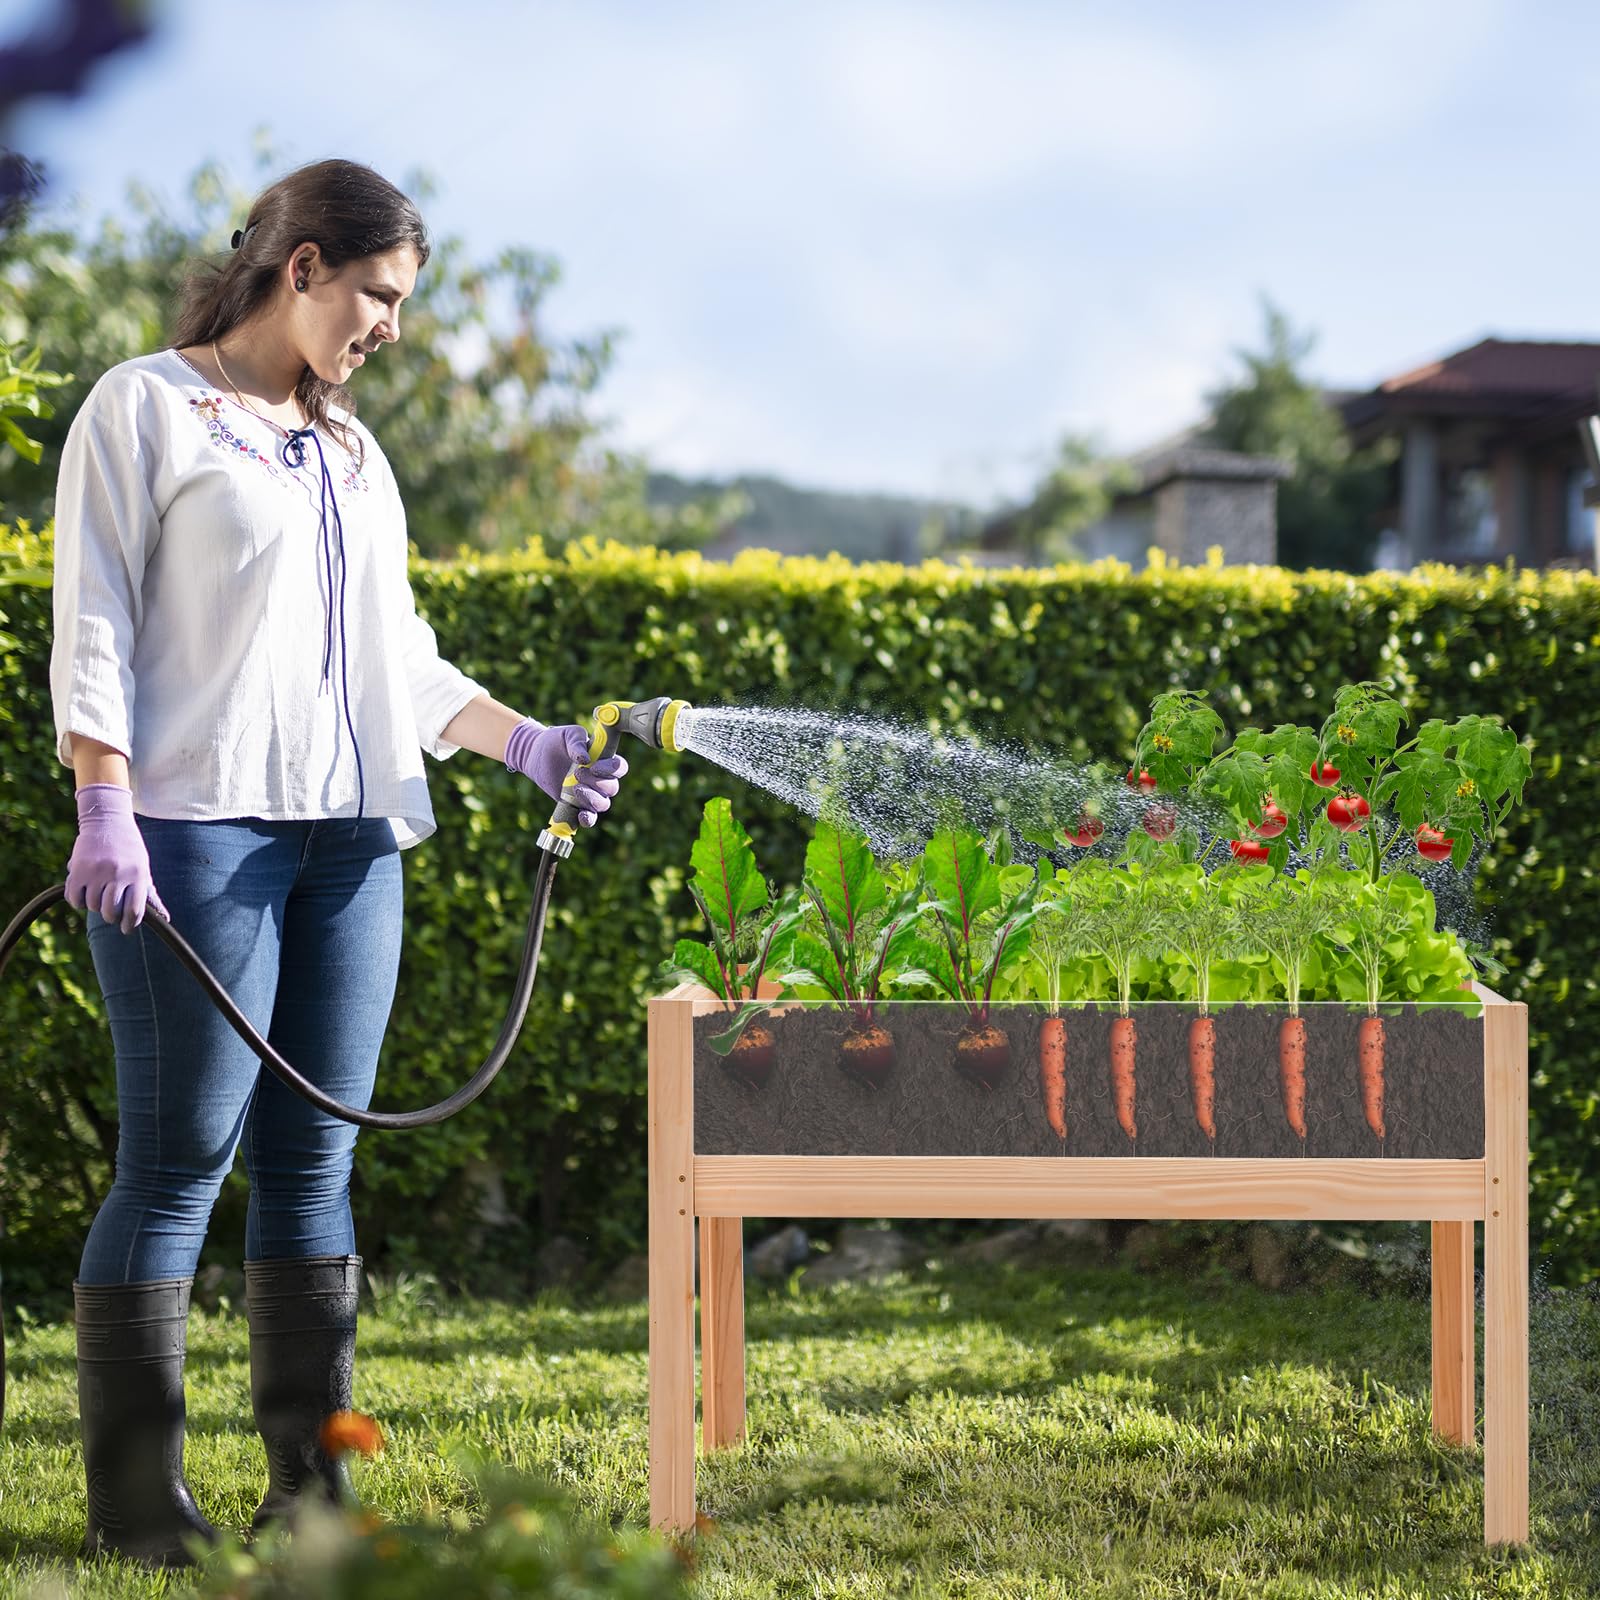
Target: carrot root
[
  {"x": 1053, "y": 1072},
  {"x": 1124, "y": 1040},
  {"x": 1292, "y": 1072},
  {"x": 1202, "y": 1073},
  {"x": 1371, "y": 1046}
]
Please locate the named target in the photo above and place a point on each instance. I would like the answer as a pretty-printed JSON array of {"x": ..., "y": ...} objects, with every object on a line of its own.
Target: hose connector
[{"x": 653, "y": 722}]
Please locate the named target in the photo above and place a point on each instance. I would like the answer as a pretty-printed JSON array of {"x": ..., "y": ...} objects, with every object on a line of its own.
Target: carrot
[
  {"x": 1053, "y": 1072},
  {"x": 1202, "y": 1073},
  {"x": 1371, "y": 1044},
  {"x": 1292, "y": 1071},
  {"x": 1124, "y": 1037}
]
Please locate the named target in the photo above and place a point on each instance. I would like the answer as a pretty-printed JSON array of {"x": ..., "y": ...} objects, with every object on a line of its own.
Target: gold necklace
[{"x": 216, "y": 356}]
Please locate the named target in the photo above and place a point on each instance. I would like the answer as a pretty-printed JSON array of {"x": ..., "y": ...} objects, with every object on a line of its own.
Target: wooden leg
[
  {"x": 1455, "y": 1333},
  {"x": 1505, "y": 1272},
  {"x": 721, "y": 1331},
  {"x": 671, "y": 1186}
]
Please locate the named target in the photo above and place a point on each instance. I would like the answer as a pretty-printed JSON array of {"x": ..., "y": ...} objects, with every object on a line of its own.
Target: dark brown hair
[{"x": 349, "y": 212}]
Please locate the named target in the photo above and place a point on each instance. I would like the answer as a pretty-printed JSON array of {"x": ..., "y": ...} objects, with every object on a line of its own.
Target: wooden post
[
  {"x": 1455, "y": 1333},
  {"x": 721, "y": 1331},
  {"x": 1505, "y": 1274},
  {"x": 670, "y": 1092}
]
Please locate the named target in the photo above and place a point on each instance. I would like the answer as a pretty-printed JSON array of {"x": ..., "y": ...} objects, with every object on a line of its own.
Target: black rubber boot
[
  {"x": 302, "y": 1363},
  {"x": 131, "y": 1343}
]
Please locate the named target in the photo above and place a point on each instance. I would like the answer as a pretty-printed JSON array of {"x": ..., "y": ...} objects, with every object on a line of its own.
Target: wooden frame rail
[{"x": 1453, "y": 1195}]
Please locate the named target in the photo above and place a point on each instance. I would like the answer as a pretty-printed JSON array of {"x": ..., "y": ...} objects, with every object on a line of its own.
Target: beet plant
[
  {"x": 973, "y": 941},
  {"x": 860, "y": 926},
  {"x": 751, "y": 934}
]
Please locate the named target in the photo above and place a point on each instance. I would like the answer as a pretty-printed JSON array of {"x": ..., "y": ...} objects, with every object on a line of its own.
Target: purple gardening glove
[
  {"x": 109, "y": 870},
  {"x": 546, "y": 755}
]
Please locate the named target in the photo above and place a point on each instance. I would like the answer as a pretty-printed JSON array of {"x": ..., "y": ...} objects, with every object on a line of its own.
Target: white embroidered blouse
[{"x": 251, "y": 653}]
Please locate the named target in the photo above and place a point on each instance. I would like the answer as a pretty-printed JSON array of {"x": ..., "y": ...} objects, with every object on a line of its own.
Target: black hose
[{"x": 224, "y": 1002}]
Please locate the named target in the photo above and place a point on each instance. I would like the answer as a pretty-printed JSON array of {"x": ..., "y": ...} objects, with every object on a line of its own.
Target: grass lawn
[{"x": 977, "y": 1432}]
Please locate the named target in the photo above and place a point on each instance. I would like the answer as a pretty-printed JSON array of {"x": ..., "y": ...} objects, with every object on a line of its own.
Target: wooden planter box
[{"x": 812, "y": 1141}]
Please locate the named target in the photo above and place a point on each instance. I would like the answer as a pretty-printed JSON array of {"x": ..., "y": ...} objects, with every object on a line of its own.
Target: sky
[{"x": 907, "y": 247}]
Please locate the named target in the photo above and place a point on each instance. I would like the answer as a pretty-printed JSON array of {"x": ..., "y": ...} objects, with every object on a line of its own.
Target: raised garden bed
[
  {"x": 1217, "y": 988},
  {"x": 809, "y": 1142}
]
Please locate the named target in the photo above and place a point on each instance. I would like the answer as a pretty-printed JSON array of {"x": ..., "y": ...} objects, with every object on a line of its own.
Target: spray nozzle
[{"x": 653, "y": 722}]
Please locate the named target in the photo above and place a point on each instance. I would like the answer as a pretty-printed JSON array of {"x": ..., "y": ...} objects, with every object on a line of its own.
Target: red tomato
[
  {"x": 1347, "y": 812},
  {"x": 1160, "y": 822},
  {"x": 1143, "y": 781},
  {"x": 1084, "y": 831},
  {"x": 1324, "y": 776},
  {"x": 1432, "y": 845},
  {"x": 1273, "y": 820},
  {"x": 1248, "y": 850}
]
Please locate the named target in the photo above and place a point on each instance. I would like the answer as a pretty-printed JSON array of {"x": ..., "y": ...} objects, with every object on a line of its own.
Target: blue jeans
[{"x": 301, "y": 922}]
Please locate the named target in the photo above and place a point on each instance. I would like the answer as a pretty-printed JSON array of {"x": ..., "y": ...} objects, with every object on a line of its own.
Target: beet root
[
  {"x": 751, "y": 1057},
  {"x": 983, "y": 1054},
  {"x": 867, "y": 1054}
]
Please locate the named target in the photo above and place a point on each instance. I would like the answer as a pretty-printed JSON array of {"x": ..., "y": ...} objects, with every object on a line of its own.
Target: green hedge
[{"x": 1065, "y": 659}]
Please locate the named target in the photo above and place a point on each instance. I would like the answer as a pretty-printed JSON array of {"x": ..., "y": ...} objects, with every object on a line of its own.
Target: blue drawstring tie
[{"x": 293, "y": 454}]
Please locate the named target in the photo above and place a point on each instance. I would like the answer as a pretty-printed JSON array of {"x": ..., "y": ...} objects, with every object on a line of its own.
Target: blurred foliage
[
  {"x": 1076, "y": 493},
  {"x": 1064, "y": 659},
  {"x": 1329, "y": 508},
  {"x": 529, "y": 1540},
  {"x": 485, "y": 416},
  {"x": 20, "y": 383}
]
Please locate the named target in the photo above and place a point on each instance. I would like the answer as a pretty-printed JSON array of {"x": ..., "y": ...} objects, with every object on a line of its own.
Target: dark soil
[{"x": 800, "y": 1102}]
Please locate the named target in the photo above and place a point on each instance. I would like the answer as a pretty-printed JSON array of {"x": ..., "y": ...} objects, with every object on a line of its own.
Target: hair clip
[{"x": 241, "y": 239}]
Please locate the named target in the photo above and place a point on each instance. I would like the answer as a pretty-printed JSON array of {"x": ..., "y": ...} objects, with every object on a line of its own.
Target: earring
[{"x": 300, "y": 284}]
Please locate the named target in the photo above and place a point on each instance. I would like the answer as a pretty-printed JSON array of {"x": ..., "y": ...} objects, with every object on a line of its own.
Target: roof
[
  {"x": 1518, "y": 380},
  {"x": 1194, "y": 461}
]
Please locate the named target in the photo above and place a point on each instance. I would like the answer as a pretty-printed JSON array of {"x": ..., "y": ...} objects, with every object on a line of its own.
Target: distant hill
[{"x": 795, "y": 521}]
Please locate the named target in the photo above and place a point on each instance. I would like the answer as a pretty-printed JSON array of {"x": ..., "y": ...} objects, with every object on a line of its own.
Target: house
[
  {"x": 1491, "y": 461},
  {"x": 1185, "y": 498}
]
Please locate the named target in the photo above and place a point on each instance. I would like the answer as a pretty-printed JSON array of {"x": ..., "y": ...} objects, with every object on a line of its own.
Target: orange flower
[{"x": 350, "y": 1430}]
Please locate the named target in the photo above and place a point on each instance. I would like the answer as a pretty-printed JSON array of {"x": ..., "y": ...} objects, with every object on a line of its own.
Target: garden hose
[{"x": 655, "y": 722}]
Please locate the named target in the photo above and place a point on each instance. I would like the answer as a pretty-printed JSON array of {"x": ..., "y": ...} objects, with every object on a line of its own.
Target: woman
[{"x": 244, "y": 691}]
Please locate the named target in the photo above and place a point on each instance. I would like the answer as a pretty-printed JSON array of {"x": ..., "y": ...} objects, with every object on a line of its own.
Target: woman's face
[{"x": 344, "y": 316}]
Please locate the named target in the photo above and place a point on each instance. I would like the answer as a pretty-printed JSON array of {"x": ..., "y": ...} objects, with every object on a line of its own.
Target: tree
[
  {"x": 1328, "y": 509},
  {"x": 484, "y": 417},
  {"x": 1076, "y": 493}
]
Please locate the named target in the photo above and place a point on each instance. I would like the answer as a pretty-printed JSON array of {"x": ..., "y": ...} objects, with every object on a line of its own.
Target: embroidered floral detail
[
  {"x": 209, "y": 411},
  {"x": 354, "y": 481}
]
